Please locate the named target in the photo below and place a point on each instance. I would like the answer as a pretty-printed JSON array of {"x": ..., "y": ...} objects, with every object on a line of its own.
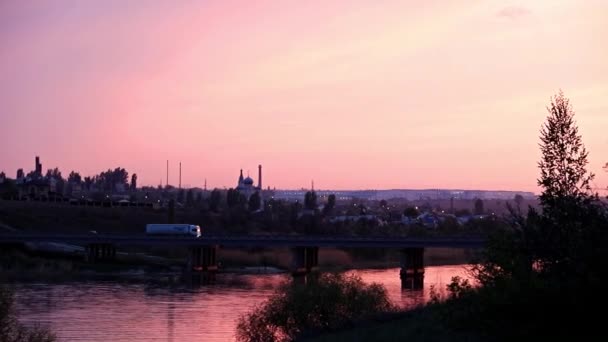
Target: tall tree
[
  {"x": 88, "y": 182},
  {"x": 563, "y": 173},
  {"x": 74, "y": 177},
  {"x": 330, "y": 205},
  {"x": 55, "y": 174},
  {"x": 310, "y": 200},
  {"x": 134, "y": 182}
]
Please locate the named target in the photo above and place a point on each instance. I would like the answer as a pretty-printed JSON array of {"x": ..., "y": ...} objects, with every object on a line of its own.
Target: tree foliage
[
  {"x": 411, "y": 212},
  {"x": 310, "y": 200},
  {"x": 327, "y": 303},
  {"x": 330, "y": 205},
  {"x": 214, "y": 200},
  {"x": 255, "y": 201},
  {"x": 74, "y": 177},
  {"x": 542, "y": 276},
  {"x": 563, "y": 174},
  {"x": 11, "y": 330},
  {"x": 133, "y": 184}
]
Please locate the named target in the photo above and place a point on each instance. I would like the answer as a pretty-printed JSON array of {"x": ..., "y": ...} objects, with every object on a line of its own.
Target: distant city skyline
[{"x": 355, "y": 95}]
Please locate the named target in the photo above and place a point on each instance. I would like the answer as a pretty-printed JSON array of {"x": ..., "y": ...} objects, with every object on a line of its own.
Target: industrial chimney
[
  {"x": 260, "y": 177},
  {"x": 38, "y": 166}
]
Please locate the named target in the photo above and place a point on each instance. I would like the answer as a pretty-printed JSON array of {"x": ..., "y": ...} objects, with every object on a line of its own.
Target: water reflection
[{"x": 111, "y": 311}]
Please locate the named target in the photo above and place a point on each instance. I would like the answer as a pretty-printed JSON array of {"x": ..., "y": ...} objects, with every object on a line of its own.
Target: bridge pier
[
  {"x": 201, "y": 265},
  {"x": 412, "y": 268},
  {"x": 304, "y": 260},
  {"x": 96, "y": 252}
]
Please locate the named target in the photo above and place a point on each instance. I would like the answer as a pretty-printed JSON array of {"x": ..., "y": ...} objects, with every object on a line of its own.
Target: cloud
[{"x": 513, "y": 12}]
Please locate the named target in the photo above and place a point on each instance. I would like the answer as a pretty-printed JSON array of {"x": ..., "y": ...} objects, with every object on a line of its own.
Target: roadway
[{"x": 246, "y": 241}]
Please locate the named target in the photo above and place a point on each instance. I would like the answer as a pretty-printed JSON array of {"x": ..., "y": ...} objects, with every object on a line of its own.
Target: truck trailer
[{"x": 173, "y": 229}]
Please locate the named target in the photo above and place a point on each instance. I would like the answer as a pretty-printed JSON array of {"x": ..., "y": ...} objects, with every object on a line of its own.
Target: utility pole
[
  {"x": 180, "y": 175},
  {"x": 167, "y": 183}
]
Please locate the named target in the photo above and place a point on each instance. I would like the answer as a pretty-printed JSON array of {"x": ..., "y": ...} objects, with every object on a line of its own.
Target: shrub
[
  {"x": 11, "y": 330},
  {"x": 328, "y": 302}
]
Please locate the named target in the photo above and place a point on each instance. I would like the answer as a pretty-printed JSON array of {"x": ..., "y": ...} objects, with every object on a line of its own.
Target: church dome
[{"x": 248, "y": 181}]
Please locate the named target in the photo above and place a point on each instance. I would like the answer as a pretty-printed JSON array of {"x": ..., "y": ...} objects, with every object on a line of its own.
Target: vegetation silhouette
[
  {"x": 11, "y": 330},
  {"x": 541, "y": 277},
  {"x": 326, "y": 303}
]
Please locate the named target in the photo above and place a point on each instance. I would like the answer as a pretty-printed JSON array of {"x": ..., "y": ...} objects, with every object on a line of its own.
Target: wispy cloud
[{"x": 513, "y": 12}]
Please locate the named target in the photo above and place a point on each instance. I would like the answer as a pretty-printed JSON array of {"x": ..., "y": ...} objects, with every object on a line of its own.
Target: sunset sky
[{"x": 353, "y": 94}]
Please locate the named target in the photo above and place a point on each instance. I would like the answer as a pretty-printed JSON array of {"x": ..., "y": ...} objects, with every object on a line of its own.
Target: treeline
[{"x": 542, "y": 277}]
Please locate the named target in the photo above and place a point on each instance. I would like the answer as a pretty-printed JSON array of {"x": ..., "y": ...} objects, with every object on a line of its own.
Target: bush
[
  {"x": 327, "y": 303},
  {"x": 11, "y": 330}
]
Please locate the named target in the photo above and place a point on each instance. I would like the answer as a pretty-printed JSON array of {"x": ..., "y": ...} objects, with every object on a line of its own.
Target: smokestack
[
  {"x": 167, "y": 183},
  {"x": 260, "y": 177},
  {"x": 38, "y": 166},
  {"x": 180, "y": 175}
]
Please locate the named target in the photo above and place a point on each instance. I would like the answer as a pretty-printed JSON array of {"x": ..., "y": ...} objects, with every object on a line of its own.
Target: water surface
[{"x": 97, "y": 311}]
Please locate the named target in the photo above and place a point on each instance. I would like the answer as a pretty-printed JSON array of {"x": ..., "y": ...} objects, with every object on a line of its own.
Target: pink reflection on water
[
  {"x": 436, "y": 277},
  {"x": 109, "y": 311}
]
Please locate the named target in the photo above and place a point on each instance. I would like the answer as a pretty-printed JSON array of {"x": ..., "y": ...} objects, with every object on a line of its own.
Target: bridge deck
[{"x": 247, "y": 241}]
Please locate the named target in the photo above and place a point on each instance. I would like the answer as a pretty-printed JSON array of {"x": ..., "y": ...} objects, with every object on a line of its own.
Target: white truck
[{"x": 175, "y": 229}]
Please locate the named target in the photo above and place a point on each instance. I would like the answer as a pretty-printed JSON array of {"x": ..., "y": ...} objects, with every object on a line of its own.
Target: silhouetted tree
[
  {"x": 411, "y": 212},
  {"x": 254, "y": 201},
  {"x": 564, "y": 157},
  {"x": 8, "y": 189},
  {"x": 199, "y": 197},
  {"x": 310, "y": 200},
  {"x": 133, "y": 182},
  {"x": 88, "y": 181},
  {"x": 330, "y": 205},
  {"x": 327, "y": 303},
  {"x": 478, "y": 207},
  {"x": 74, "y": 177},
  {"x": 214, "y": 200},
  {"x": 181, "y": 194},
  {"x": 56, "y": 175},
  {"x": 190, "y": 197},
  {"x": 10, "y": 328},
  {"x": 232, "y": 198},
  {"x": 108, "y": 180}
]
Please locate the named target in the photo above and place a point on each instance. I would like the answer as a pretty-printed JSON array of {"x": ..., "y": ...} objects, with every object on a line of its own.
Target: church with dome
[{"x": 246, "y": 185}]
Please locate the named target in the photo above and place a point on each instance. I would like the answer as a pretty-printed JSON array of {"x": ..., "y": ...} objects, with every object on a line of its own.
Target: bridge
[
  {"x": 202, "y": 251},
  {"x": 247, "y": 241}
]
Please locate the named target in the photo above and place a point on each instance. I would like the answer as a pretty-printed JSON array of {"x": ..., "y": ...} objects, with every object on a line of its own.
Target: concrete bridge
[{"x": 202, "y": 252}]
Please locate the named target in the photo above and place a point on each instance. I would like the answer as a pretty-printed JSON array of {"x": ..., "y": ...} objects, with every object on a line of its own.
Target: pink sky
[{"x": 353, "y": 94}]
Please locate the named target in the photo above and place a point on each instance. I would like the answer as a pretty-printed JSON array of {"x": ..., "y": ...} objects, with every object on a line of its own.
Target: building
[
  {"x": 246, "y": 187},
  {"x": 35, "y": 185}
]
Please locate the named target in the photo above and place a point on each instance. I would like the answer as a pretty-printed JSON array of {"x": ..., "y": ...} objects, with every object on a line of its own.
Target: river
[{"x": 119, "y": 311}]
